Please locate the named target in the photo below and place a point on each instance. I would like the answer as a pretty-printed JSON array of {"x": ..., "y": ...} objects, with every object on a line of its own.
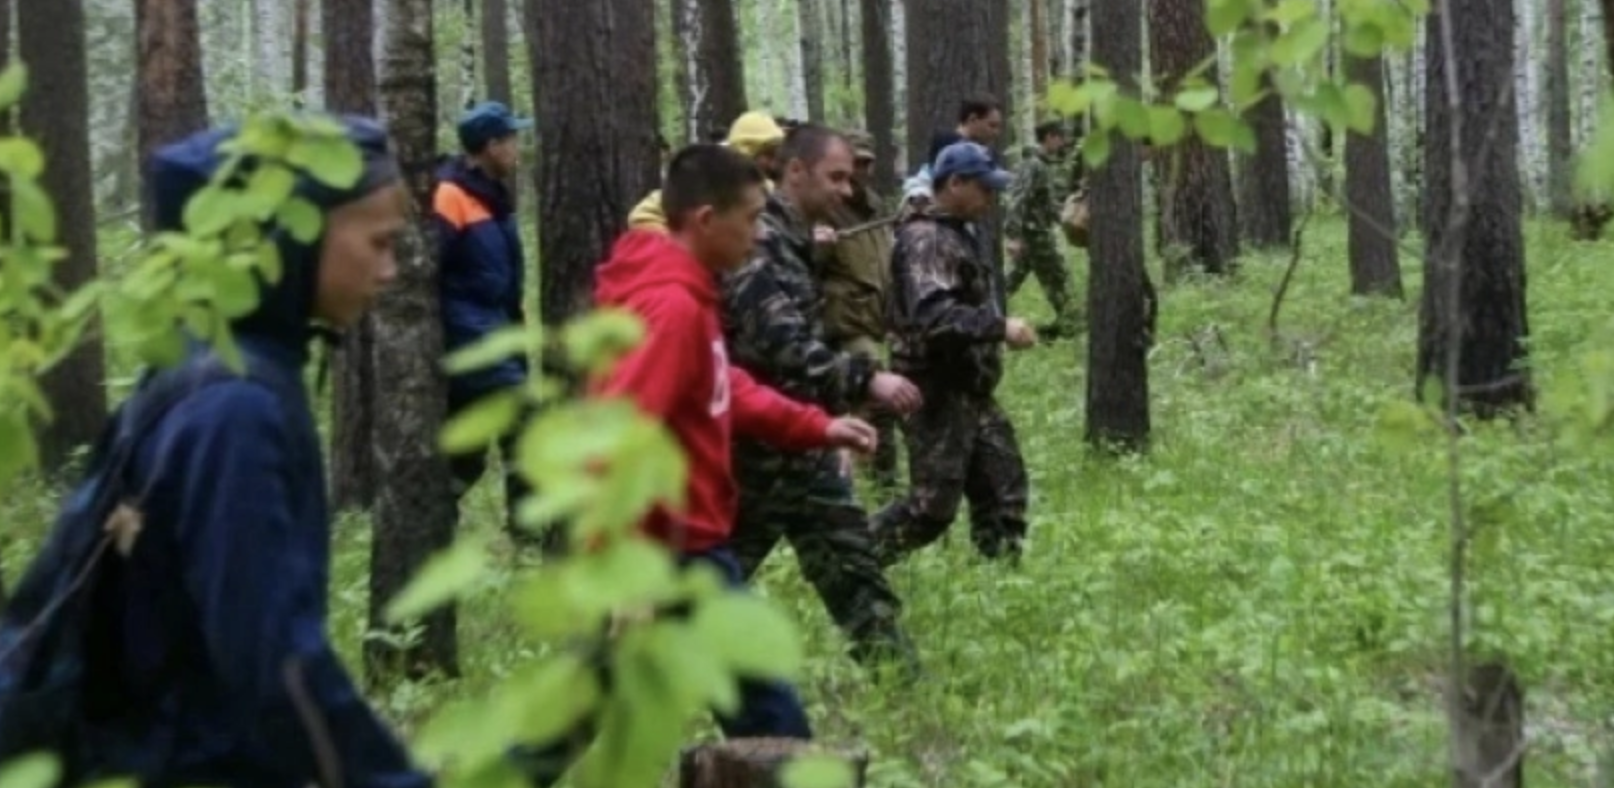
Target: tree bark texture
[
  {"x": 1560, "y": 129},
  {"x": 169, "y": 74},
  {"x": 415, "y": 509},
  {"x": 1488, "y": 252},
  {"x": 1375, "y": 262},
  {"x": 1197, "y": 210},
  {"x": 1265, "y": 207},
  {"x": 56, "y": 114},
  {"x": 496, "y": 50},
  {"x": 810, "y": 28},
  {"x": 299, "y": 50},
  {"x": 350, "y": 87},
  {"x": 1039, "y": 49},
  {"x": 597, "y": 137},
  {"x": 713, "y": 84},
  {"x": 1120, "y": 299},
  {"x": 754, "y": 763},
  {"x": 879, "y": 92}
]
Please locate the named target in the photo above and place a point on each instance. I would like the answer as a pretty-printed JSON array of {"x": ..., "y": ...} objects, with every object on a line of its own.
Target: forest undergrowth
[{"x": 1259, "y": 601}]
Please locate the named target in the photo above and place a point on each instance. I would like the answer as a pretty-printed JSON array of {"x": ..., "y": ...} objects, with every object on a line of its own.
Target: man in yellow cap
[{"x": 754, "y": 134}]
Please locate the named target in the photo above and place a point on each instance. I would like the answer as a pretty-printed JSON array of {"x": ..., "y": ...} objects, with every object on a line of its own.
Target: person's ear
[{"x": 704, "y": 217}]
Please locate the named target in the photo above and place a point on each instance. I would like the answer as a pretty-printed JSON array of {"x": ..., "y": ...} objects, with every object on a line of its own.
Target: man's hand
[
  {"x": 1019, "y": 334},
  {"x": 824, "y": 235},
  {"x": 895, "y": 392},
  {"x": 852, "y": 433},
  {"x": 1014, "y": 246}
]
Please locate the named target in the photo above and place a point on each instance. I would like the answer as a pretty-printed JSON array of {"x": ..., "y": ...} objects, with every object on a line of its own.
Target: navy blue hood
[
  {"x": 176, "y": 172},
  {"x": 490, "y": 191}
]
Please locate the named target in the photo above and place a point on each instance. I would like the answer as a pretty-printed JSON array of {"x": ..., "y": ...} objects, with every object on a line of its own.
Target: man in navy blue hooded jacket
[
  {"x": 480, "y": 266},
  {"x": 218, "y": 614}
]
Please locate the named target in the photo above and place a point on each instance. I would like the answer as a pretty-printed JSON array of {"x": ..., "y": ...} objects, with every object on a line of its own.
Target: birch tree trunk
[
  {"x": 1526, "y": 85},
  {"x": 1560, "y": 128},
  {"x": 712, "y": 79},
  {"x": 1590, "y": 77},
  {"x": 910, "y": 159},
  {"x": 269, "y": 45},
  {"x": 1039, "y": 48},
  {"x": 795, "y": 76}
]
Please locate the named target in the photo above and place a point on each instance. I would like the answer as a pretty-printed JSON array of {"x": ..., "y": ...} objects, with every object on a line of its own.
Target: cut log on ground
[{"x": 755, "y": 763}]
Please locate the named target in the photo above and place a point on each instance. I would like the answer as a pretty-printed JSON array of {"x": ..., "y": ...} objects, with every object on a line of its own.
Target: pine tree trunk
[
  {"x": 597, "y": 132},
  {"x": 1560, "y": 129},
  {"x": 350, "y": 87},
  {"x": 1265, "y": 209},
  {"x": 1197, "y": 209},
  {"x": 169, "y": 74},
  {"x": 1119, "y": 296},
  {"x": 1039, "y": 49},
  {"x": 496, "y": 50},
  {"x": 415, "y": 509},
  {"x": 811, "y": 36},
  {"x": 849, "y": 76},
  {"x": 713, "y": 80},
  {"x": 55, "y": 113},
  {"x": 879, "y": 92},
  {"x": 299, "y": 51},
  {"x": 1375, "y": 264},
  {"x": 1487, "y": 249}
]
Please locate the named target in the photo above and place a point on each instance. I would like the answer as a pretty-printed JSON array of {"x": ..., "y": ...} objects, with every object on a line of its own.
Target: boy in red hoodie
[{"x": 680, "y": 374}]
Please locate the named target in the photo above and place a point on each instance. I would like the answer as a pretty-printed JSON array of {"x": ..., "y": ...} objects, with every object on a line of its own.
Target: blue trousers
[{"x": 767, "y": 708}]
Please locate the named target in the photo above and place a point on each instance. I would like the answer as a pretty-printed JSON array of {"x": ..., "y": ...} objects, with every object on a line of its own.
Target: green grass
[{"x": 1260, "y": 601}]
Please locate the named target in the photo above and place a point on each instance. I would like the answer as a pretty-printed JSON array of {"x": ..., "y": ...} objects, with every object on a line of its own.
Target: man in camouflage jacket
[
  {"x": 1033, "y": 223},
  {"x": 948, "y": 329},
  {"x": 773, "y": 322}
]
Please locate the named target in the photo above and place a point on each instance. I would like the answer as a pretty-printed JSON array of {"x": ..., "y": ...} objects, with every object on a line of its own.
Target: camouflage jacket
[
  {"x": 947, "y": 321},
  {"x": 773, "y": 319},
  {"x": 857, "y": 272},
  {"x": 1034, "y": 199}
]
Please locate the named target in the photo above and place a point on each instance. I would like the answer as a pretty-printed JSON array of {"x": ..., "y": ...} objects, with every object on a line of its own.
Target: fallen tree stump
[
  {"x": 1491, "y": 729},
  {"x": 755, "y": 763}
]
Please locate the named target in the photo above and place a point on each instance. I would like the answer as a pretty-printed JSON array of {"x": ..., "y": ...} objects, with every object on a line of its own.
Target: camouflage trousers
[
  {"x": 1041, "y": 257},
  {"x": 884, "y": 467},
  {"x": 960, "y": 447},
  {"x": 806, "y": 501}
]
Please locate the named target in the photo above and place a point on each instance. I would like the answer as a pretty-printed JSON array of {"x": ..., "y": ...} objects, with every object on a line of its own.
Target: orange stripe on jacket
[{"x": 458, "y": 207}]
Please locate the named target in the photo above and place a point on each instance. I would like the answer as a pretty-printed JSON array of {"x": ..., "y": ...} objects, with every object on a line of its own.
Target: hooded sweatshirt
[
  {"x": 480, "y": 271},
  {"x": 224, "y": 594},
  {"x": 752, "y": 133},
  {"x": 680, "y": 375}
]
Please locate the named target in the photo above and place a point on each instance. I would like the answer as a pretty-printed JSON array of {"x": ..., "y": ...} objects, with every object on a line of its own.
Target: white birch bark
[
  {"x": 1589, "y": 82},
  {"x": 1527, "y": 88},
  {"x": 271, "y": 49},
  {"x": 899, "y": 67}
]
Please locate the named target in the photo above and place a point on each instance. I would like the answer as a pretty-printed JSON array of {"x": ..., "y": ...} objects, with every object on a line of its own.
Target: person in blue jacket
[
  {"x": 217, "y": 616},
  {"x": 480, "y": 269}
]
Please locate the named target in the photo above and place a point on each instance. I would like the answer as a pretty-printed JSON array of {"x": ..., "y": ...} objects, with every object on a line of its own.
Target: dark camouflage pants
[
  {"x": 959, "y": 447},
  {"x": 809, "y": 503},
  {"x": 1041, "y": 257},
  {"x": 884, "y": 466}
]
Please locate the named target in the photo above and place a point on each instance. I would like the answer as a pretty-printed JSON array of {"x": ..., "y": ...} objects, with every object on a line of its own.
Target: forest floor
[{"x": 1260, "y": 601}]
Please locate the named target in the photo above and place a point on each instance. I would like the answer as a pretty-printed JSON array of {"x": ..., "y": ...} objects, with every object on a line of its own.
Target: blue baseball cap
[
  {"x": 970, "y": 160},
  {"x": 488, "y": 122}
]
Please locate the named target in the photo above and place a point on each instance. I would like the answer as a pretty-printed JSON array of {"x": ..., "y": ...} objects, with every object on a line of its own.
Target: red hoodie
[{"x": 681, "y": 375}]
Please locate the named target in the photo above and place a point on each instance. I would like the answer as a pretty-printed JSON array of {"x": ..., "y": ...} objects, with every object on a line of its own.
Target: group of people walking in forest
[{"x": 794, "y": 317}]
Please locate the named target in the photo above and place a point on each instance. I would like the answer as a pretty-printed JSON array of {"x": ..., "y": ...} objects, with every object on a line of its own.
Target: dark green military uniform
[
  {"x": 856, "y": 277},
  {"x": 1034, "y": 203},
  {"x": 773, "y": 321},
  {"x": 947, "y": 329}
]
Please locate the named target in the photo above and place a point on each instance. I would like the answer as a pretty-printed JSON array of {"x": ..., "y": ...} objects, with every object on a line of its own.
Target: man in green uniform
[{"x": 1034, "y": 204}]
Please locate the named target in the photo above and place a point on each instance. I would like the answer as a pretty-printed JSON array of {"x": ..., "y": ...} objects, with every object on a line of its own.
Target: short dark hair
[
  {"x": 808, "y": 142},
  {"x": 716, "y": 135},
  {"x": 1049, "y": 128},
  {"x": 706, "y": 174},
  {"x": 977, "y": 106}
]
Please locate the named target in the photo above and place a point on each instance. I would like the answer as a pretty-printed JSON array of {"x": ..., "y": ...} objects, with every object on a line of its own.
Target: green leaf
[
  {"x": 1096, "y": 149},
  {"x": 332, "y": 160},
  {"x": 1067, "y": 98},
  {"x": 33, "y": 211},
  {"x": 1166, "y": 126},
  {"x": 750, "y": 636},
  {"x": 211, "y": 210},
  {"x": 482, "y": 424},
  {"x": 1361, "y": 109},
  {"x": 21, "y": 157},
  {"x": 37, "y": 770},
  {"x": 1132, "y": 117},
  {"x": 269, "y": 266},
  {"x": 445, "y": 576},
  {"x": 1364, "y": 40},
  {"x": 1217, "y": 128},
  {"x": 18, "y": 451},
  {"x": 1289, "y": 12},
  {"x": 1594, "y": 174},
  {"x": 13, "y": 83},
  {"x": 1402, "y": 423},
  {"x": 491, "y": 350},
  {"x": 269, "y": 186},
  {"x": 1196, "y": 99},
  {"x": 300, "y": 218},
  {"x": 1300, "y": 44},
  {"x": 601, "y": 336},
  {"x": 817, "y": 771},
  {"x": 556, "y": 695},
  {"x": 629, "y": 573},
  {"x": 235, "y": 290},
  {"x": 1225, "y": 16}
]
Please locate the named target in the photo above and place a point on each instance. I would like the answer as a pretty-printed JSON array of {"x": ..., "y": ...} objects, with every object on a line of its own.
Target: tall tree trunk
[
  {"x": 1120, "y": 299},
  {"x": 849, "y": 75},
  {"x": 597, "y": 130},
  {"x": 415, "y": 509},
  {"x": 1527, "y": 90},
  {"x": 713, "y": 79},
  {"x": 269, "y": 46},
  {"x": 1486, "y": 250},
  {"x": 810, "y": 28},
  {"x": 169, "y": 75},
  {"x": 1078, "y": 23},
  {"x": 1375, "y": 264},
  {"x": 879, "y": 92},
  {"x": 496, "y": 49},
  {"x": 299, "y": 51},
  {"x": 55, "y": 113},
  {"x": 1197, "y": 194},
  {"x": 1039, "y": 49},
  {"x": 1560, "y": 129},
  {"x": 350, "y": 87},
  {"x": 1265, "y": 208}
]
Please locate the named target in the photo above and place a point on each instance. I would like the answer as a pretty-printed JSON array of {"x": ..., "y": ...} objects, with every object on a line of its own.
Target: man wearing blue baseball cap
[
  {"x": 481, "y": 268},
  {"x": 948, "y": 328}
]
